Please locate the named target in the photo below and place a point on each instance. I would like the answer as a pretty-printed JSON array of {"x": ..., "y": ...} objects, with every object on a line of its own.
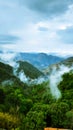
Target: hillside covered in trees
[{"x": 33, "y": 107}]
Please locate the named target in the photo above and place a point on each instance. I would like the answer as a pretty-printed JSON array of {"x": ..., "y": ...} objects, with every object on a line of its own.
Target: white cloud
[{"x": 37, "y": 33}]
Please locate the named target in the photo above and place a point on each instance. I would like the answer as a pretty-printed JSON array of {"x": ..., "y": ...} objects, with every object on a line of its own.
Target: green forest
[{"x": 24, "y": 107}]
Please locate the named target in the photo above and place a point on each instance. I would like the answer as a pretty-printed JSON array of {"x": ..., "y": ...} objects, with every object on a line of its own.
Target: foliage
[
  {"x": 57, "y": 114},
  {"x": 29, "y": 70},
  {"x": 8, "y": 121},
  {"x": 33, "y": 107},
  {"x": 69, "y": 119}
]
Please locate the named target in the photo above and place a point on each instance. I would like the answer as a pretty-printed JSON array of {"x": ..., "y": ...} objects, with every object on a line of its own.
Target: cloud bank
[
  {"x": 36, "y": 25},
  {"x": 48, "y": 7}
]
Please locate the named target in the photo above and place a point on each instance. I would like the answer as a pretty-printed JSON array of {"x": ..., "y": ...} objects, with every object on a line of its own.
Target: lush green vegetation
[
  {"x": 29, "y": 70},
  {"x": 33, "y": 107}
]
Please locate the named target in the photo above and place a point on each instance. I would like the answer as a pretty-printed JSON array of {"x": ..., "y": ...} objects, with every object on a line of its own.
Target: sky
[{"x": 36, "y": 26}]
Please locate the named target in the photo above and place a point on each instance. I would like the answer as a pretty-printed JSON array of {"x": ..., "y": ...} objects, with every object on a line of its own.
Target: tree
[
  {"x": 8, "y": 121},
  {"x": 36, "y": 117},
  {"x": 35, "y": 120},
  {"x": 57, "y": 112},
  {"x": 69, "y": 119}
]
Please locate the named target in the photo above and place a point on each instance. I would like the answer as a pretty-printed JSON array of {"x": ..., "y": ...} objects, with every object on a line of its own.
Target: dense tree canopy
[{"x": 33, "y": 107}]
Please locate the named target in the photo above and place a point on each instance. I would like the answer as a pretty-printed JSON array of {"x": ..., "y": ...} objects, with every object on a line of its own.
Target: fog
[
  {"x": 55, "y": 78},
  {"x": 8, "y": 58}
]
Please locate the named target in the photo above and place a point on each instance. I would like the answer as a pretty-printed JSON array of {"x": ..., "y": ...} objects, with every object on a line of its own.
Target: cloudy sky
[{"x": 37, "y": 25}]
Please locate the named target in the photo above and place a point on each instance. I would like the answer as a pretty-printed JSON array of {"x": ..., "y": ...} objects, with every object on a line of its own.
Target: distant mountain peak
[{"x": 39, "y": 60}]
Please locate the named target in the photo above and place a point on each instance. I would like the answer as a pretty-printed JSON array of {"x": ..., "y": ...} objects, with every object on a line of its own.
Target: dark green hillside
[
  {"x": 34, "y": 108},
  {"x": 6, "y": 67},
  {"x": 6, "y": 72},
  {"x": 6, "y": 75},
  {"x": 66, "y": 87},
  {"x": 29, "y": 70}
]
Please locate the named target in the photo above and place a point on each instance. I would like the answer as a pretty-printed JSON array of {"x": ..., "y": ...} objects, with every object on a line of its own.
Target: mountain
[
  {"x": 6, "y": 67},
  {"x": 7, "y": 76},
  {"x": 39, "y": 60},
  {"x": 29, "y": 70},
  {"x": 26, "y": 108},
  {"x": 64, "y": 63},
  {"x": 68, "y": 61}
]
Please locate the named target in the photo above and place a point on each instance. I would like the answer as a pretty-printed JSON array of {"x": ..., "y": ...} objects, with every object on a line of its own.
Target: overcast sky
[{"x": 36, "y": 25}]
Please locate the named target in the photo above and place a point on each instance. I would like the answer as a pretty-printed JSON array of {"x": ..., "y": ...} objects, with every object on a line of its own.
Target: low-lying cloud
[
  {"x": 53, "y": 79},
  {"x": 56, "y": 77},
  {"x": 8, "y": 57},
  {"x": 23, "y": 77}
]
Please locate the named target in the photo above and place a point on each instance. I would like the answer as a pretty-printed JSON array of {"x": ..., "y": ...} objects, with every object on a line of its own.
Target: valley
[{"x": 30, "y": 95}]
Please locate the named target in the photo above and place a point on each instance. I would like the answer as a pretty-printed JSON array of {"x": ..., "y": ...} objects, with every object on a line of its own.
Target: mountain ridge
[
  {"x": 68, "y": 62},
  {"x": 39, "y": 60}
]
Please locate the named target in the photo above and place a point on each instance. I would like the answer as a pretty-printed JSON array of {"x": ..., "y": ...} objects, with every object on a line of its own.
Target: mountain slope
[
  {"x": 68, "y": 61},
  {"x": 7, "y": 76},
  {"x": 29, "y": 70},
  {"x": 6, "y": 67},
  {"x": 65, "y": 63}
]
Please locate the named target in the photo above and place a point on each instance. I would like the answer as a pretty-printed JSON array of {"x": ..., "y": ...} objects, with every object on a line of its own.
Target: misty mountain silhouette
[{"x": 39, "y": 60}]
